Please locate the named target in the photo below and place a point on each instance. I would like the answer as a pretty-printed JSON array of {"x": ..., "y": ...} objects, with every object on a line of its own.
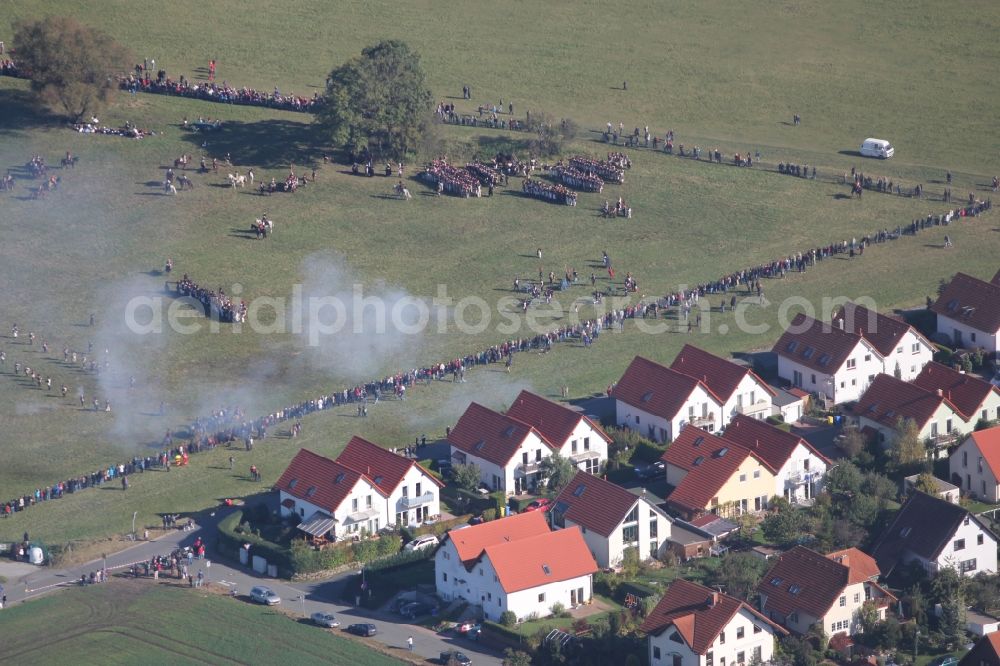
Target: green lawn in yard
[
  {"x": 717, "y": 74},
  {"x": 131, "y": 622}
]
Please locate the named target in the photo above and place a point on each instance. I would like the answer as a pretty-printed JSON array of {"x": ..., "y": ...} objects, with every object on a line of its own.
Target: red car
[{"x": 543, "y": 504}]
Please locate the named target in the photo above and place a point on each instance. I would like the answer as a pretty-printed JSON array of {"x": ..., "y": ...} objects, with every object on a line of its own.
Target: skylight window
[
  {"x": 379, "y": 480},
  {"x": 509, "y": 431},
  {"x": 794, "y": 589},
  {"x": 579, "y": 490},
  {"x": 699, "y": 460},
  {"x": 292, "y": 484},
  {"x": 721, "y": 452},
  {"x": 698, "y": 440},
  {"x": 647, "y": 396},
  {"x": 807, "y": 352},
  {"x": 339, "y": 478},
  {"x": 777, "y": 581},
  {"x": 545, "y": 568},
  {"x": 952, "y": 304},
  {"x": 480, "y": 444},
  {"x": 824, "y": 359},
  {"x": 790, "y": 347},
  {"x": 311, "y": 491},
  {"x": 905, "y": 532}
]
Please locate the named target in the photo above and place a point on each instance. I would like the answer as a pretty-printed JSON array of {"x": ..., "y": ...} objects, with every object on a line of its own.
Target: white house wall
[
  {"x": 598, "y": 445},
  {"x": 847, "y": 384},
  {"x": 796, "y": 464},
  {"x": 970, "y": 472},
  {"x": 985, "y": 339},
  {"x": 663, "y": 429},
  {"x": 414, "y": 476},
  {"x": 910, "y": 363},
  {"x": 984, "y": 554},
  {"x": 754, "y": 397},
  {"x": 610, "y": 551},
  {"x": 729, "y": 651}
]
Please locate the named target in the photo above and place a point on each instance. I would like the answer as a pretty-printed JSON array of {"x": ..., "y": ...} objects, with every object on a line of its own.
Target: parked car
[
  {"x": 945, "y": 661},
  {"x": 653, "y": 471},
  {"x": 541, "y": 504},
  {"x": 422, "y": 542},
  {"x": 264, "y": 595},
  {"x": 324, "y": 619},
  {"x": 452, "y": 657},
  {"x": 469, "y": 630},
  {"x": 362, "y": 629},
  {"x": 416, "y": 609}
]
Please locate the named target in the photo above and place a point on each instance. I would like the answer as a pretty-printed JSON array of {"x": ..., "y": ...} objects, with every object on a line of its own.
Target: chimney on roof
[
  {"x": 840, "y": 322},
  {"x": 712, "y": 600},
  {"x": 940, "y": 393}
]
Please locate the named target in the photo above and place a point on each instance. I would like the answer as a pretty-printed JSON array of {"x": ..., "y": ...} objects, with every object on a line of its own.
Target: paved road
[{"x": 303, "y": 598}]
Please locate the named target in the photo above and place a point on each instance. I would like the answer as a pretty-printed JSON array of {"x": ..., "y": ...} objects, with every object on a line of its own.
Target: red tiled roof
[
  {"x": 698, "y": 613},
  {"x": 720, "y": 375},
  {"x": 557, "y": 422},
  {"x": 986, "y": 651},
  {"x": 888, "y": 399},
  {"x": 972, "y": 302},
  {"x": 522, "y": 564},
  {"x": 655, "y": 388},
  {"x": 594, "y": 503},
  {"x": 965, "y": 392},
  {"x": 882, "y": 331},
  {"x": 988, "y": 443},
  {"x": 384, "y": 467},
  {"x": 770, "y": 444},
  {"x": 802, "y": 580},
  {"x": 471, "y": 541},
  {"x": 817, "y": 345},
  {"x": 490, "y": 435},
  {"x": 862, "y": 566},
  {"x": 319, "y": 480},
  {"x": 710, "y": 462}
]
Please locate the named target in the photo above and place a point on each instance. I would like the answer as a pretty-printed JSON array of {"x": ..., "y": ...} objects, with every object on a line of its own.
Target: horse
[
  {"x": 237, "y": 180},
  {"x": 182, "y": 162},
  {"x": 169, "y": 188},
  {"x": 401, "y": 192},
  {"x": 260, "y": 224},
  {"x": 185, "y": 182},
  {"x": 70, "y": 161}
]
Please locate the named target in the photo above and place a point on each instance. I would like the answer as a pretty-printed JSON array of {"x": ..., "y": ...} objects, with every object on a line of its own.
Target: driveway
[{"x": 303, "y": 598}]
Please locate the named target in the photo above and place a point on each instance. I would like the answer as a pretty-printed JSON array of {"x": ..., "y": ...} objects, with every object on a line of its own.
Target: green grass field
[
  {"x": 134, "y": 622},
  {"x": 717, "y": 74}
]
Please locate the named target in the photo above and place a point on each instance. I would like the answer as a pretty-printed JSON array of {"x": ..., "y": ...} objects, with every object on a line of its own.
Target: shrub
[
  {"x": 508, "y": 618},
  {"x": 775, "y": 419},
  {"x": 558, "y": 609},
  {"x": 489, "y": 514}
]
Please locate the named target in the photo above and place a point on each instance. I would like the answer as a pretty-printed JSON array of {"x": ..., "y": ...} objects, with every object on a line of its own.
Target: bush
[
  {"x": 648, "y": 452},
  {"x": 489, "y": 514},
  {"x": 775, "y": 419},
  {"x": 508, "y": 618},
  {"x": 559, "y": 610}
]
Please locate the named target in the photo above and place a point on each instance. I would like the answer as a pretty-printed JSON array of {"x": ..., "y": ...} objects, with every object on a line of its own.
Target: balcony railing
[
  {"x": 703, "y": 421},
  {"x": 530, "y": 467},
  {"x": 419, "y": 500},
  {"x": 759, "y": 406}
]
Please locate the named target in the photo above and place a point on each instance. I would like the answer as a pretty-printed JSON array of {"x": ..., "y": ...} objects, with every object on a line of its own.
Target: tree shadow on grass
[
  {"x": 491, "y": 144},
  {"x": 20, "y": 113},
  {"x": 270, "y": 143}
]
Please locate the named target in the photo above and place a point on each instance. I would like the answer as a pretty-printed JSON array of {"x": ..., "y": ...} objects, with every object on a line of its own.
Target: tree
[
  {"x": 71, "y": 66},
  {"x": 907, "y": 450},
  {"x": 378, "y": 100},
  {"x": 550, "y": 136},
  {"x": 740, "y": 573},
  {"x": 630, "y": 563},
  {"x": 853, "y": 442},
  {"x": 467, "y": 476},
  {"x": 508, "y": 618},
  {"x": 783, "y": 526},
  {"x": 558, "y": 470},
  {"x": 926, "y": 483},
  {"x": 845, "y": 478}
]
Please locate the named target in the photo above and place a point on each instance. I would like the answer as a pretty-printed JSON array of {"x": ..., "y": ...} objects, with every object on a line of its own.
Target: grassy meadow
[
  {"x": 718, "y": 74},
  {"x": 131, "y": 621}
]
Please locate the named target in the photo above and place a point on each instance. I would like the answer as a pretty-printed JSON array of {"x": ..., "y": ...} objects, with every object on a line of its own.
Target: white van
[{"x": 879, "y": 148}]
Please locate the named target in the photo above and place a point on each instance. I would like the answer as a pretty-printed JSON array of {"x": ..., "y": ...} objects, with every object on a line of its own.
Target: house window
[
  {"x": 967, "y": 565},
  {"x": 541, "y": 597},
  {"x": 959, "y": 544},
  {"x": 710, "y": 659},
  {"x": 739, "y": 636},
  {"x": 757, "y": 629},
  {"x": 868, "y": 357},
  {"x": 637, "y": 420},
  {"x": 574, "y": 446},
  {"x": 857, "y": 597},
  {"x": 630, "y": 534},
  {"x": 979, "y": 539},
  {"x": 899, "y": 350},
  {"x": 843, "y": 384},
  {"x": 743, "y": 478},
  {"x": 368, "y": 501},
  {"x": 741, "y": 657},
  {"x": 354, "y": 505},
  {"x": 915, "y": 348},
  {"x": 757, "y": 657},
  {"x": 722, "y": 638},
  {"x": 656, "y": 652},
  {"x": 973, "y": 336},
  {"x": 653, "y": 529},
  {"x": 843, "y": 601},
  {"x": 676, "y": 638},
  {"x": 756, "y": 474},
  {"x": 633, "y": 515},
  {"x": 406, "y": 491},
  {"x": 851, "y": 364},
  {"x": 444, "y": 577},
  {"x": 965, "y": 458},
  {"x": 538, "y": 455},
  {"x": 812, "y": 378},
  {"x": 980, "y": 463},
  {"x": 489, "y": 596},
  {"x": 586, "y": 443}
]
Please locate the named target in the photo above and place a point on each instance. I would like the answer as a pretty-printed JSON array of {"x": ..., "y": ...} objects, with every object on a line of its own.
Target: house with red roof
[
  {"x": 986, "y": 651},
  {"x": 714, "y": 475},
  {"x": 798, "y": 468},
  {"x": 412, "y": 493},
  {"x": 936, "y": 534},
  {"x": 737, "y": 386},
  {"x": 331, "y": 500},
  {"x": 515, "y": 564},
  {"x": 905, "y": 351},
  {"x": 612, "y": 519},
  {"x": 804, "y": 588},
  {"x": 696, "y": 625},
  {"x": 975, "y": 398},
  {"x": 572, "y": 433},
  {"x": 658, "y": 402},
  {"x": 827, "y": 360},
  {"x": 968, "y": 313},
  {"x": 508, "y": 451},
  {"x": 975, "y": 465},
  {"x": 888, "y": 400}
]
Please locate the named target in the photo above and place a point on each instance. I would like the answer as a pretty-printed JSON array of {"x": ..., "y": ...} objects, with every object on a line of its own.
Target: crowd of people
[
  {"x": 450, "y": 179},
  {"x": 487, "y": 173},
  {"x": 611, "y": 169},
  {"x": 128, "y": 130},
  {"x": 539, "y": 189},
  {"x": 217, "y": 92},
  {"x": 216, "y": 302},
  {"x": 577, "y": 179}
]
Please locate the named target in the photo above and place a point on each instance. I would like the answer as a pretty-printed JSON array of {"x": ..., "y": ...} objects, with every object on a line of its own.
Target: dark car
[
  {"x": 657, "y": 469},
  {"x": 416, "y": 609},
  {"x": 362, "y": 629},
  {"x": 453, "y": 657}
]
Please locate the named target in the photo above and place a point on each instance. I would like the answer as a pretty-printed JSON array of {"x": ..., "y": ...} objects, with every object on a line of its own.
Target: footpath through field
[{"x": 302, "y": 598}]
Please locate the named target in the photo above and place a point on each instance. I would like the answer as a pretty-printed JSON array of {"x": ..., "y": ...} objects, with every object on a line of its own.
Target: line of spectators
[
  {"x": 554, "y": 193},
  {"x": 612, "y": 169},
  {"x": 451, "y": 179},
  {"x": 577, "y": 179}
]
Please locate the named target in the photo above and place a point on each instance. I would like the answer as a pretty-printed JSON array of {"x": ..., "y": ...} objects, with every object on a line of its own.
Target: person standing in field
[{"x": 211, "y": 70}]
